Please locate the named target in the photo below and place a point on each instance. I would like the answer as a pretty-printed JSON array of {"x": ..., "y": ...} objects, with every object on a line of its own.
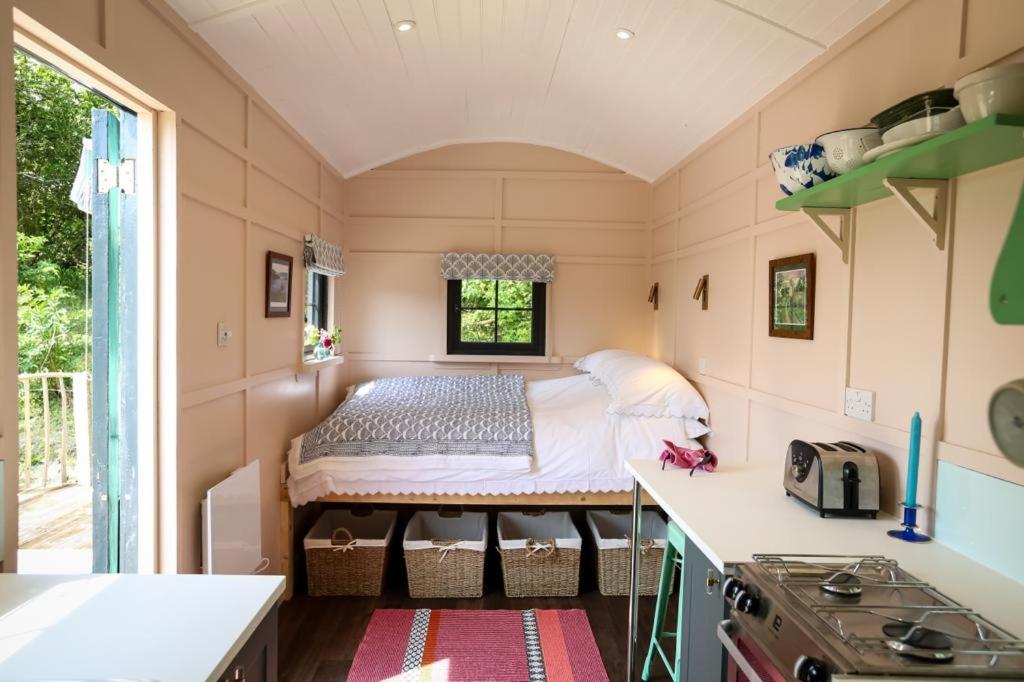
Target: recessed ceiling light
[
  {"x": 405, "y": 25},
  {"x": 624, "y": 33}
]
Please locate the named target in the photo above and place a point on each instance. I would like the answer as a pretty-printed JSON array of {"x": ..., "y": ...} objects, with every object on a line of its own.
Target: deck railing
[{"x": 55, "y": 420}]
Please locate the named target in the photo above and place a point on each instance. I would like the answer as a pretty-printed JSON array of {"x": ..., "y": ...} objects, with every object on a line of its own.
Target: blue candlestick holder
[{"x": 908, "y": 534}]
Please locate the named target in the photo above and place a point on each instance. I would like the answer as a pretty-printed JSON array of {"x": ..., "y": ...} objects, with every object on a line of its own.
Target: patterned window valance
[
  {"x": 497, "y": 266},
  {"x": 323, "y": 257}
]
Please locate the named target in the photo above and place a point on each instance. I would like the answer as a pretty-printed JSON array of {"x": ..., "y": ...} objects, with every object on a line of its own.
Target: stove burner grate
[
  {"x": 925, "y": 654},
  {"x": 918, "y": 636},
  {"x": 916, "y": 624},
  {"x": 842, "y": 584},
  {"x": 919, "y": 642}
]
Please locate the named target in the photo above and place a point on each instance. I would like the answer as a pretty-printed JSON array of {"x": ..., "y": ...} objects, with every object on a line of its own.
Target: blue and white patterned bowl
[{"x": 800, "y": 166}]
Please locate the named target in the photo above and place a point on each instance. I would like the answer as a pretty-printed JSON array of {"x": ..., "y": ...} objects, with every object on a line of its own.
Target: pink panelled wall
[
  {"x": 904, "y": 320},
  {"x": 485, "y": 198},
  {"x": 245, "y": 183}
]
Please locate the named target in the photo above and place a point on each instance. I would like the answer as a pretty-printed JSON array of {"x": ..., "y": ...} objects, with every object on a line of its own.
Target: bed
[
  {"x": 577, "y": 448},
  {"x": 578, "y": 432}
]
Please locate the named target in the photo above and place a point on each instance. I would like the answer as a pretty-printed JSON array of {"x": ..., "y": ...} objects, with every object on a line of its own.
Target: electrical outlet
[
  {"x": 860, "y": 404},
  {"x": 702, "y": 366},
  {"x": 223, "y": 334}
]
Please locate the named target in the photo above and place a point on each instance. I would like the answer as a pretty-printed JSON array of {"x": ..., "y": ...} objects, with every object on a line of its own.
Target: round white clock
[{"x": 1006, "y": 420}]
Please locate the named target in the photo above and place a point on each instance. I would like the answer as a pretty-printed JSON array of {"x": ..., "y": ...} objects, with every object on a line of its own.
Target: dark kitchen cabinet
[
  {"x": 257, "y": 660},
  {"x": 704, "y": 608}
]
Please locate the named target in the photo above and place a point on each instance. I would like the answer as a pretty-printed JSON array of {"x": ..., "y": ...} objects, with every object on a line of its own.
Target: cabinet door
[
  {"x": 257, "y": 661},
  {"x": 705, "y": 609}
]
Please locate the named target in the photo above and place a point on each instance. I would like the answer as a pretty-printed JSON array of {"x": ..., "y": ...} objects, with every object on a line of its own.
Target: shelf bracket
[
  {"x": 842, "y": 238},
  {"x": 935, "y": 220}
]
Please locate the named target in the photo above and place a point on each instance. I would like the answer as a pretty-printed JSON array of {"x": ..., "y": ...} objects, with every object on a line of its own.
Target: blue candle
[{"x": 914, "y": 460}]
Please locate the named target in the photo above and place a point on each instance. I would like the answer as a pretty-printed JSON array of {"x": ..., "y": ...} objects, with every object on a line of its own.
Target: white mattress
[{"x": 578, "y": 447}]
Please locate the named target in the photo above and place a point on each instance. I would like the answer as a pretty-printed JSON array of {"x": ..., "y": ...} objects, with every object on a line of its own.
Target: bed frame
[{"x": 524, "y": 500}]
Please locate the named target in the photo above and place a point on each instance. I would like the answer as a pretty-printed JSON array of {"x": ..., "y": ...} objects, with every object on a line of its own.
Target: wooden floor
[
  {"x": 55, "y": 518},
  {"x": 319, "y": 635}
]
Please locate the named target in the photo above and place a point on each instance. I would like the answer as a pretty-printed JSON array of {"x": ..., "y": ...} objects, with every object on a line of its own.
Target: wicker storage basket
[
  {"x": 444, "y": 554},
  {"x": 346, "y": 554},
  {"x": 540, "y": 554},
  {"x": 611, "y": 531}
]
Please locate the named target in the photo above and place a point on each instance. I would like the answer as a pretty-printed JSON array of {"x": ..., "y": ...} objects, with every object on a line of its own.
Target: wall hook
[
  {"x": 701, "y": 292},
  {"x": 653, "y": 296}
]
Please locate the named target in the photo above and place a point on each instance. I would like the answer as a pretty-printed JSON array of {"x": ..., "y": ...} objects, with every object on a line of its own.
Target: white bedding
[{"x": 578, "y": 447}]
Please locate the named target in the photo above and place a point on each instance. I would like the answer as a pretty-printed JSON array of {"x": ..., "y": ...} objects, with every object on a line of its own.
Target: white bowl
[
  {"x": 916, "y": 127},
  {"x": 800, "y": 166},
  {"x": 995, "y": 90},
  {"x": 844, "y": 149},
  {"x": 892, "y": 147}
]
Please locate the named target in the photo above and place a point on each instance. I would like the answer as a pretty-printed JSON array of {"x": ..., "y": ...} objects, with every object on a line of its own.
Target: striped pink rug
[{"x": 497, "y": 646}]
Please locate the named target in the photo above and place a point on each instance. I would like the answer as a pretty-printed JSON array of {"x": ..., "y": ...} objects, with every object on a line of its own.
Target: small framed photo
[
  {"x": 279, "y": 285},
  {"x": 791, "y": 297}
]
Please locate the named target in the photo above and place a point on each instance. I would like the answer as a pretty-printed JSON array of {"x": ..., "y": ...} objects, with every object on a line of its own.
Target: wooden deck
[{"x": 55, "y": 518}]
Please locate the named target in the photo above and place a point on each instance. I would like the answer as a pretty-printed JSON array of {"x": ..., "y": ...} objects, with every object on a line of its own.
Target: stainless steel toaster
[{"x": 837, "y": 479}]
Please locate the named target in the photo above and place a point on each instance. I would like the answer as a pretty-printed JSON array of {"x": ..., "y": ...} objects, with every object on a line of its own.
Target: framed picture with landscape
[
  {"x": 279, "y": 285},
  {"x": 791, "y": 297}
]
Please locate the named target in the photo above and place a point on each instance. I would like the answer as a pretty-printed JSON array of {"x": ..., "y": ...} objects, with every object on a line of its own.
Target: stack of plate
[{"x": 915, "y": 120}]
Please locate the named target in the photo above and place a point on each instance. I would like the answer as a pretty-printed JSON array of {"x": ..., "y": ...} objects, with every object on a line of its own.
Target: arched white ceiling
[{"x": 548, "y": 72}]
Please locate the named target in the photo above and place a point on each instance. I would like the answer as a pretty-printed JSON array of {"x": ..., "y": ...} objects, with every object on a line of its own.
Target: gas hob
[{"x": 816, "y": 618}]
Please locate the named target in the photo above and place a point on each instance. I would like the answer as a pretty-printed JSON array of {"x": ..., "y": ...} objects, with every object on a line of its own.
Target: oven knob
[
  {"x": 747, "y": 603},
  {"x": 809, "y": 669},
  {"x": 732, "y": 587}
]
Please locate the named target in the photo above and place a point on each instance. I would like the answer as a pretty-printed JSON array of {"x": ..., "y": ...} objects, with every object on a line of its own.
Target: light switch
[
  {"x": 860, "y": 404},
  {"x": 702, "y": 366},
  {"x": 223, "y": 334}
]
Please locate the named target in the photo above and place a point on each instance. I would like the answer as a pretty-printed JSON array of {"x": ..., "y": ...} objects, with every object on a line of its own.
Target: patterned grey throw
[{"x": 449, "y": 421}]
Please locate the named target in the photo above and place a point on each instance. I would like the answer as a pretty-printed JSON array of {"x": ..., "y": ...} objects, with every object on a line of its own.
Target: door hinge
[{"x": 111, "y": 176}]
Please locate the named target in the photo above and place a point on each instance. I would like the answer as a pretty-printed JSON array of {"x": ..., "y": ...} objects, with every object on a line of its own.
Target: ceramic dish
[
  {"x": 844, "y": 149},
  {"x": 892, "y": 147},
  {"x": 996, "y": 90},
  {"x": 918, "y": 106},
  {"x": 935, "y": 123},
  {"x": 800, "y": 166}
]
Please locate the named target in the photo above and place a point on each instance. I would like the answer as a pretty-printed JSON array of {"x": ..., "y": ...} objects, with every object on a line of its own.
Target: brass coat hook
[
  {"x": 653, "y": 296},
  {"x": 701, "y": 292}
]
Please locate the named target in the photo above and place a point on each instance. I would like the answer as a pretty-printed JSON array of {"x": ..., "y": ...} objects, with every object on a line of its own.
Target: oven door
[{"x": 747, "y": 662}]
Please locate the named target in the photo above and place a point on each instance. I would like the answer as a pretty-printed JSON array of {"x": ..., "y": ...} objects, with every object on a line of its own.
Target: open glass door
[
  {"x": 114, "y": 342},
  {"x": 79, "y": 306}
]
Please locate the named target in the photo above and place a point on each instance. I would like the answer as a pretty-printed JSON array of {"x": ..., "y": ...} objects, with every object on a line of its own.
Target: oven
[
  {"x": 747, "y": 662},
  {"x": 797, "y": 618}
]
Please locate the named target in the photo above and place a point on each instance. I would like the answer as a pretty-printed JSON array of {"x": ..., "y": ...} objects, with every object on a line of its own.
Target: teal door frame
[{"x": 114, "y": 341}]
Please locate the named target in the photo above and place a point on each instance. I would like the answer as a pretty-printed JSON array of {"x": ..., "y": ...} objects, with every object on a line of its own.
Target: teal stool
[{"x": 674, "y": 551}]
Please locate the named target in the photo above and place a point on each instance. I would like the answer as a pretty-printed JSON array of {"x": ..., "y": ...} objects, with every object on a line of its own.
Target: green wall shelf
[
  {"x": 929, "y": 165},
  {"x": 988, "y": 142}
]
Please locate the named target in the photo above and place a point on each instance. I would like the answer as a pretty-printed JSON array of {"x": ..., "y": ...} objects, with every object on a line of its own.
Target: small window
[
  {"x": 495, "y": 317},
  {"x": 316, "y": 301}
]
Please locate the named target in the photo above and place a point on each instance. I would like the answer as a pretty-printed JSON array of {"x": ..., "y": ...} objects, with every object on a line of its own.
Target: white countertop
[
  {"x": 741, "y": 510},
  {"x": 139, "y": 627}
]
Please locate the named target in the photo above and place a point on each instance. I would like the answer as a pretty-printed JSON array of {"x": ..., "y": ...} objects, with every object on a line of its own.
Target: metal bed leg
[{"x": 634, "y": 583}]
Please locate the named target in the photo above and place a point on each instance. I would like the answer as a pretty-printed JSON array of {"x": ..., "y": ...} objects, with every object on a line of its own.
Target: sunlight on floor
[
  {"x": 21, "y": 625},
  {"x": 433, "y": 672},
  {"x": 55, "y": 530},
  {"x": 54, "y": 561}
]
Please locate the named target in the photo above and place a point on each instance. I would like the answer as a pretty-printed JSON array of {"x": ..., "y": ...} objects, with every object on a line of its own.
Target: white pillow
[
  {"x": 695, "y": 429},
  {"x": 644, "y": 387}
]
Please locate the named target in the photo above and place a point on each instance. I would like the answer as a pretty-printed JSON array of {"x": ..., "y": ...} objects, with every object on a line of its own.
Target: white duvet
[{"x": 578, "y": 447}]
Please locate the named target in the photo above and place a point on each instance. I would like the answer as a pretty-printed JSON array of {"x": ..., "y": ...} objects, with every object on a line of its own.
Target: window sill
[
  {"x": 310, "y": 365},
  {"x": 503, "y": 359}
]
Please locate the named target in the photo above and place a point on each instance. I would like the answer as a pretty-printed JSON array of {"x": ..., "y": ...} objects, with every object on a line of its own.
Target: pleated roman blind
[
  {"x": 528, "y": 268},
  {"x": 323, "y": 257}
]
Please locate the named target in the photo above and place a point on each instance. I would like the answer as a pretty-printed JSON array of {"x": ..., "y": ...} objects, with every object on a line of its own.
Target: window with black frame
[
  {"x": 316, "y": 301},
  {"x": 496, "y": 317}
]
